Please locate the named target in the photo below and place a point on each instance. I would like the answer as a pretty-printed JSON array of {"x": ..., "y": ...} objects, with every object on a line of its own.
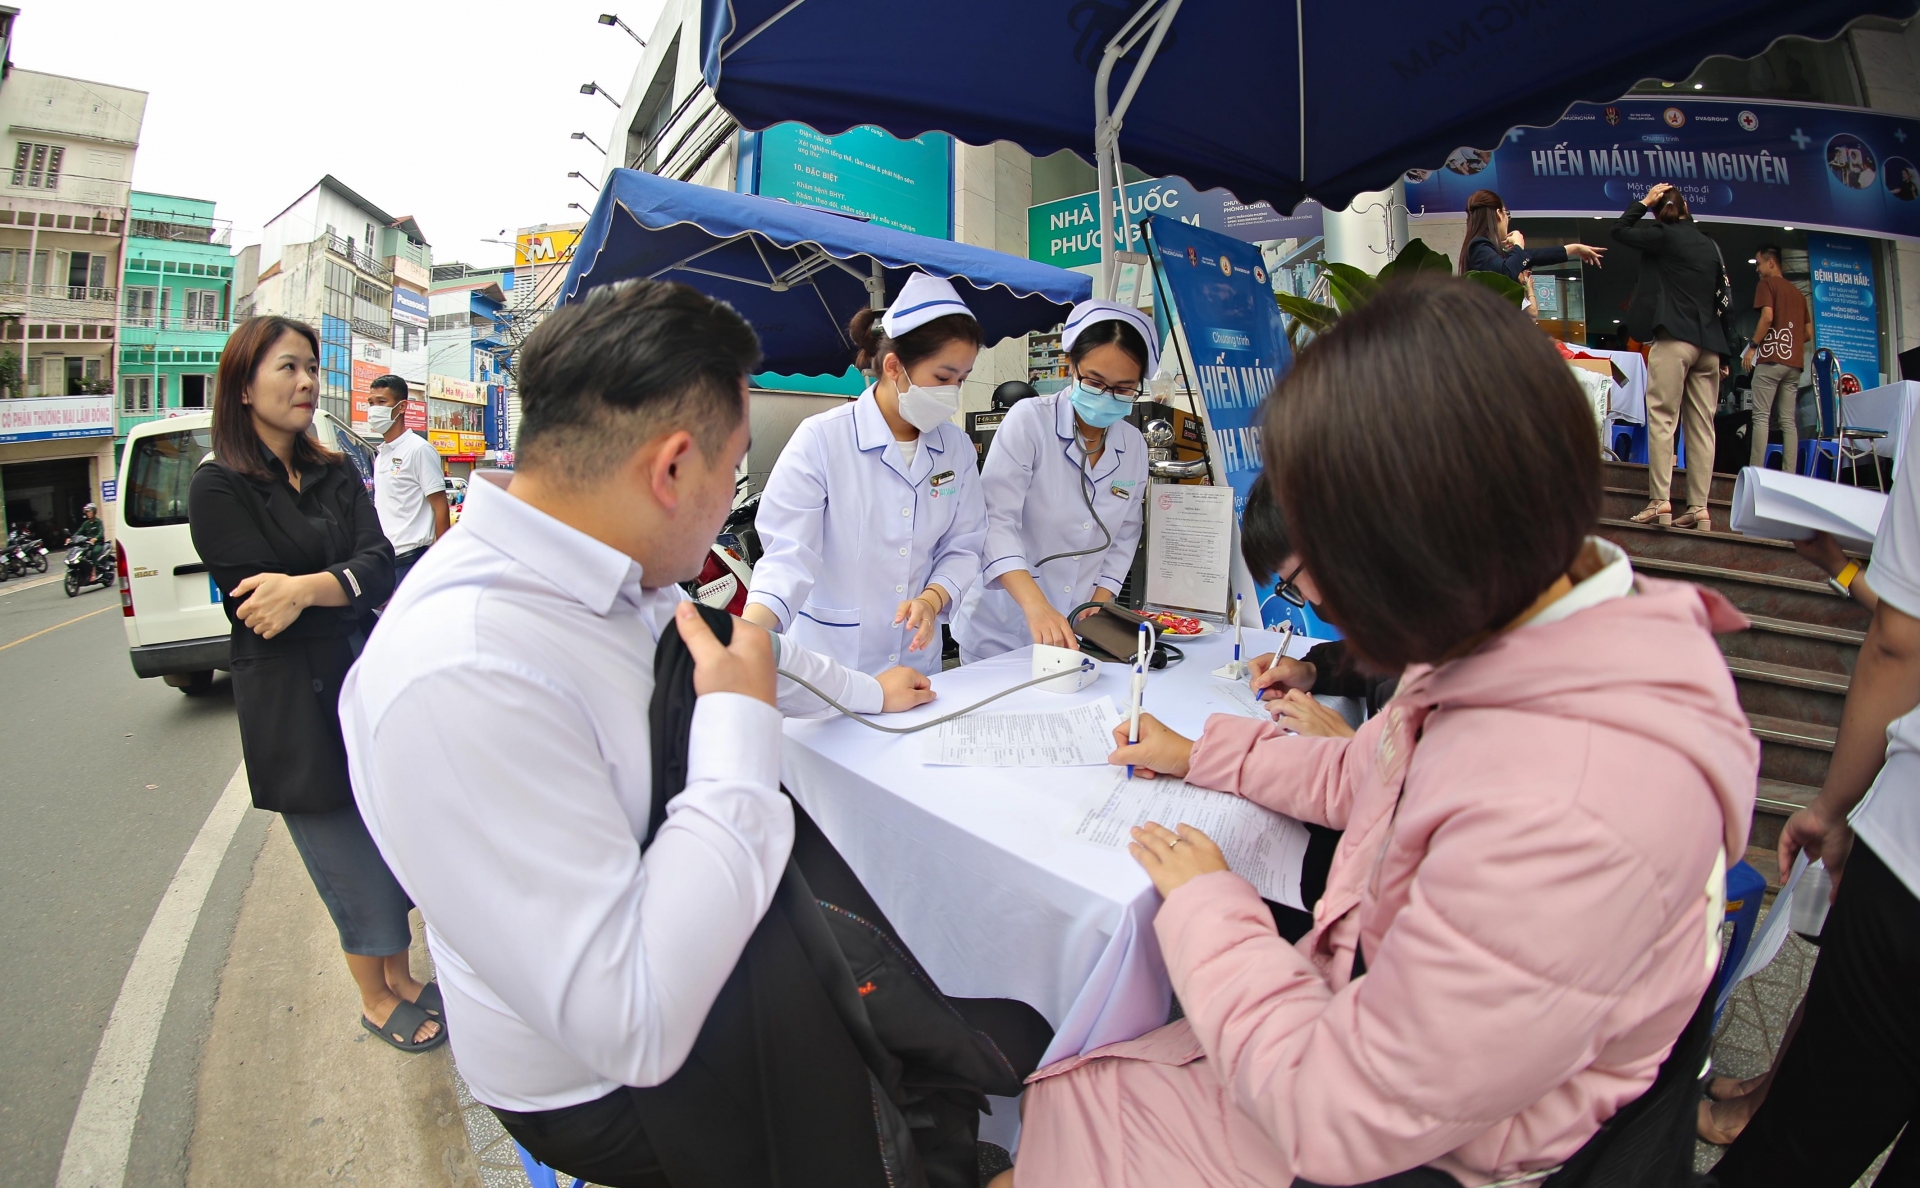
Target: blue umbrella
[
  {"x": 799, "y": 274},
  {"x": 1271, "y": 100}
]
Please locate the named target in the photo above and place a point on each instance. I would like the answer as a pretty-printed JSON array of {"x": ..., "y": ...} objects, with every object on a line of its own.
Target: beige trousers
[
  {"x": 1776, "y": 396},
  {"x": 1683, "y": 381}
]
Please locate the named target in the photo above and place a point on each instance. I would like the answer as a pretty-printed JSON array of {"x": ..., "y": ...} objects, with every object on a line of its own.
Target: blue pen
[
  {"x": 1238, "y": 602},
  {"x": 1139, "y": 689}
]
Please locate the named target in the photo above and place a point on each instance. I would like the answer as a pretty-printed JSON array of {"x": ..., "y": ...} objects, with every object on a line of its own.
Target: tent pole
[
  {"x": 1108, "y": 120},
  {"x": 877, "y": 288}
]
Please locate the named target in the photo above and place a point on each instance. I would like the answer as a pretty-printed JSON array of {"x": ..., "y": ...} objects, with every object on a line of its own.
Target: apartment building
[
  {"x": 63, "y": 236},
  {"x": 320, "y": 261},
  {"x": 175, "y": 306}
]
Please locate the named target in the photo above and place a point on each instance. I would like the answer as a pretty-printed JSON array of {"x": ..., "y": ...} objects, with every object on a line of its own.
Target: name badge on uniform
[
  {"x": 1123, "y": 490},
  {"x": 940, "y": 480}
]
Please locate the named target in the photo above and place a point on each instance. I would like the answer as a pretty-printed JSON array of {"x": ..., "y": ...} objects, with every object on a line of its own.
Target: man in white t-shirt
[
  {"x": 1850, "y": 1080},
  {"x": 409, "y": 488}
]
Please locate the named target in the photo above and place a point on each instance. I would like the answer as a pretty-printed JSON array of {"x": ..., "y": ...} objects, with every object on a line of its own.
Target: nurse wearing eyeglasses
[
  {"x": 1064, "y": 483},
  {"x": 871, "y": 520}
]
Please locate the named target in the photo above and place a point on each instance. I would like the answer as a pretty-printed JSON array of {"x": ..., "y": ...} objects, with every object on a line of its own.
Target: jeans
[{"x": 1776, "y": 397}]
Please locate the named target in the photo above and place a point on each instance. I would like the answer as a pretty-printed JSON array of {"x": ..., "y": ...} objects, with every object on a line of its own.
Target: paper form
[
  {"x": 1261, "y": 846},
  {"x": 1236, "y": 697},
  {"x": 1190, "y": 547},
  {"x": 1081, "y": 736}
]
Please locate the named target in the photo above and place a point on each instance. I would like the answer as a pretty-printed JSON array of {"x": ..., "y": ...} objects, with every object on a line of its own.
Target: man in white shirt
[
  {"x": 409, "y": 488},
  {"x": 572, "y": 964},
  {"x": 1850, "y": 1079}
]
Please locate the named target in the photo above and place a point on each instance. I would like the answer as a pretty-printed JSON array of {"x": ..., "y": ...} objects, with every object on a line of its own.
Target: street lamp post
[
  {"x": 589, "y": 140},
  {"x": 589, "y": 88},
  {"x": 583, "y": 210},
  {"x": 607, "y": 18},
  {"x": 583, "y": 177}
]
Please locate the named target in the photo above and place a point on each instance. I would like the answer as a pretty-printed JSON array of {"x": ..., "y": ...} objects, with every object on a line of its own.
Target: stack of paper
[{"x": 1783, "y": 506}]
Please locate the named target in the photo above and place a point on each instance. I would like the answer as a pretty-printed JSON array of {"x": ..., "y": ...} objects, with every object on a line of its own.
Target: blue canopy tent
[
  {"x": 799, "y": 274},
  {"x": 1273, "y": 101}
]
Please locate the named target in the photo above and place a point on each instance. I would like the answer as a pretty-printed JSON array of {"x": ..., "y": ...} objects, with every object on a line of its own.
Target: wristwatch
[{"x": 1842, "y": 582}]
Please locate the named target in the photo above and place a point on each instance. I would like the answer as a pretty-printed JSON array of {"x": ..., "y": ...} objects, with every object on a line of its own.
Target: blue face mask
[{"x": 1097, "y": 409}]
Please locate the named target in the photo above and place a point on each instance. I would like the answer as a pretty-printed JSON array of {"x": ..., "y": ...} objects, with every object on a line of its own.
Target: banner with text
[
  {"x": 45, "y": 418},
  {"x": 1225, "y": 312},
  {"x": 1066, "y": 233},
  {"x": 1845, "y": 320},
  {"x": 1833, "y": 168}
]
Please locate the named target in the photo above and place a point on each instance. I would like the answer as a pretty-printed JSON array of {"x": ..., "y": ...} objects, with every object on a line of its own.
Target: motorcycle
[
  {"x": 89, "y": 562},
  {"x": 24, "y": 553},
  {"x": 728, "y": 571}
]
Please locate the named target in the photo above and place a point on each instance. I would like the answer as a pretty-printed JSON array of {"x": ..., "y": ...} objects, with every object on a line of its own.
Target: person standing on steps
[
  {"x": 1675, "y": 307},
  {"x": 1775, "y": 356},
  {"x": 291, "y": 538}
]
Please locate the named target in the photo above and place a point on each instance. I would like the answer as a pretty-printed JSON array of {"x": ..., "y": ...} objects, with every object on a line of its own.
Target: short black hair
[
  {"x": 391, "y": 383},
  {"x": 1264, "y": 540},
  {"x": 1769, "y": 250},
  {"x": 1400, "y": 445},
  {"x": 628, "y": 361}
]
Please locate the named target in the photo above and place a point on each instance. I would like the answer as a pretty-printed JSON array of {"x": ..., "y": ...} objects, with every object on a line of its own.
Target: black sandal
[
  {"x": 406, "y": 1019},
  {"x": 431, "y": 1002}
]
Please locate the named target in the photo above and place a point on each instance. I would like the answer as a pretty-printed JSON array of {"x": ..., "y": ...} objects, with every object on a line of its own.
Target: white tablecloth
[
  {"x": 1630, "y": 398},
  {"x": 1889, "y": 408},
  {"x": 974, "y": 867}
]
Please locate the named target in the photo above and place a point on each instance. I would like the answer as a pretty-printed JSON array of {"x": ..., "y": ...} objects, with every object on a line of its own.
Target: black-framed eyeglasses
[
  {"x": 1287, "y": 590},
  {"x": 1117, "y": 391}
]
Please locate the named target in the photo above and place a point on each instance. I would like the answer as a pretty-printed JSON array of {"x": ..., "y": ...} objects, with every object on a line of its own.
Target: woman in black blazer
[
  {"x": 291, "y": 537},
  {"x": 1491, "y": 247}
]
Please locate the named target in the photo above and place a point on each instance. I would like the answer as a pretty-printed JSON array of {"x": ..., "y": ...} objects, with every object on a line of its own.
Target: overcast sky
[{"x": 455, "y": 113}]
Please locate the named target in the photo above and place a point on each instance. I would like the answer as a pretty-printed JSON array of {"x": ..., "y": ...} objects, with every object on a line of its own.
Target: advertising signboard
[
  {"x": 499, "y": 417},
  {"x": 1226, "y": 317},
  {"x": 446, "y": 387},
  {"x": 534, "y": 248},
  {"x": 409, "y": 307},
  {"x": 474, "y": 444},
  {"x": 446, "y": 441},
  {"x": 906, "y": 184},
  {"x": 1844, "y": 318},
  {"x": 364, "y": 373},
  {"x": 1066, "y": 233},
  {"x": 46, "y": 418},
  {"x": 1829, "y": 168}
]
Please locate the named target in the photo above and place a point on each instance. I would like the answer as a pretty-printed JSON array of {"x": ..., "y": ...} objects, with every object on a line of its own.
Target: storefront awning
[
  {"x": 798, "y": 274},
  {"x": 1272, "y": 101}
]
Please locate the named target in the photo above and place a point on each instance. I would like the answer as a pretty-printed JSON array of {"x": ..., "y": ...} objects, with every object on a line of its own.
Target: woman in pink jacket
[{"x": 1523, "y": 912}]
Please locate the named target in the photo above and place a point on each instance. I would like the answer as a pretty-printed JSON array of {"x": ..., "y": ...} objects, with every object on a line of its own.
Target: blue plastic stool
[
  {"x": 1745, "y": 889},
  {"x": 539, "y": 1174},
  {"x": 1629, "y": 442},
  {"x": 1776, "y": 451}
]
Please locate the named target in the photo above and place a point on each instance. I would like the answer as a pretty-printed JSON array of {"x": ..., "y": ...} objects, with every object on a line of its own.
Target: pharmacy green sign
[{"x": 906, "y": 184}]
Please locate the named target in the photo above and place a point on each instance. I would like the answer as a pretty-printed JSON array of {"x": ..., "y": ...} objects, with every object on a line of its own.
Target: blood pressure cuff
[
  {"x": 1113, "y": 633},
  {"x": 829, "y": 1057}
]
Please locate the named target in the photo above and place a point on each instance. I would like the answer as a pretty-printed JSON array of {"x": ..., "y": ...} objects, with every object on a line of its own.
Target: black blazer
[
  {"x": 1482, "y": 256},
  {"x": 1679, "y": 274},
  {"x": 286, "y": 690}
]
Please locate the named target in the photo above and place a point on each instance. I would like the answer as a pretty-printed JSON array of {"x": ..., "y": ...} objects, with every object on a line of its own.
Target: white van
[{"x": 176, "y": 628}]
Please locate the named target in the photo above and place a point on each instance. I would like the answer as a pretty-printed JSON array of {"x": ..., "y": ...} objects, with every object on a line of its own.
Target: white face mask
[
  {"x": 925, "y": 408},
  {"x": 380, "y": 418}
]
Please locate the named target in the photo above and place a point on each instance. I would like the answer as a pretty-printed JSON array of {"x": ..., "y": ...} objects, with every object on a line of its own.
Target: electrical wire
[{"x": 864, "y": 720}]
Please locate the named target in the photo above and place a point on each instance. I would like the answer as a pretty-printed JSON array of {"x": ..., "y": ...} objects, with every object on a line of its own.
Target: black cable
[{"x": 1086, "y": 494}]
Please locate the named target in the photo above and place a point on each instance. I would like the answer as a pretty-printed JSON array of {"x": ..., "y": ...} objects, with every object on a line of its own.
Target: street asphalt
[{"x": 109, "y": 779}]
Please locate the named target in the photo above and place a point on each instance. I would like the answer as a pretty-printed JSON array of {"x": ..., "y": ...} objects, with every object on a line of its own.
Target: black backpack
[{"x": 830, "y": 1057}]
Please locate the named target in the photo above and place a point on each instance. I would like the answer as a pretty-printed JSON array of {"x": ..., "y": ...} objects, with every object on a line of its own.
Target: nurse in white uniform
[
  {"x": 872, "y": 520},
  {"x": 1064, "y": 483}
]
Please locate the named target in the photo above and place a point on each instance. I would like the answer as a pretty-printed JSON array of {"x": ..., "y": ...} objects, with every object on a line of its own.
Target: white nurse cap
[
  {"x": 1088, "y": 312},
  {"x": 922, "y": 299}
]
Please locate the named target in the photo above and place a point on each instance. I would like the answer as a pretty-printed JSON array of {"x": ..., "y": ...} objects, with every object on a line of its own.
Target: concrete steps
[{"x": 1792, "y": 669}]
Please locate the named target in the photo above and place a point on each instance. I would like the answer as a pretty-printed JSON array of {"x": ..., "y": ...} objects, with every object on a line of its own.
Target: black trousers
[
  {"x": 1851, "y": 1079},
  {"x": 601, "y": 1142}
]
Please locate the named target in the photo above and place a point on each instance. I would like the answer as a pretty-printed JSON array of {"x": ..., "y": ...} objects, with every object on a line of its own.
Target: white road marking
[
  {"x": 102, "y": 1133},
  {"x": 35, "y": 584}
]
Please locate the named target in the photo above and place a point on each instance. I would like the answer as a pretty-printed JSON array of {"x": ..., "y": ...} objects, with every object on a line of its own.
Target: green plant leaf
[
  {"x": 1350, "y": 287},
  {"x": 1506, "y": 286},
  {"x": 1310, "y": 315},
  {"x": 1415, "y": 257}
]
